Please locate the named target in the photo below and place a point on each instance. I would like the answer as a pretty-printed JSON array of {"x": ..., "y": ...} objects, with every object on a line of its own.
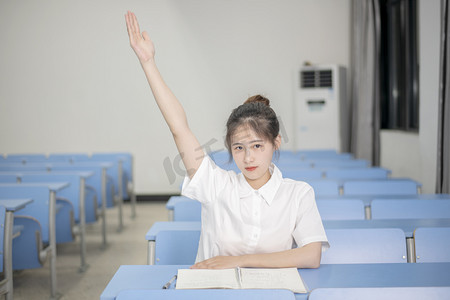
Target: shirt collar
[{"x": 267, "y": 191}]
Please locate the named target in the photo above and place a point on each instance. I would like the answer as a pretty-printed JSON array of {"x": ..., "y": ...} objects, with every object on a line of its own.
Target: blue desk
[
  {"x": 11, "y": 206},
  {"x": 150, "y": 236},
  {"x": 340, "y": 275}
]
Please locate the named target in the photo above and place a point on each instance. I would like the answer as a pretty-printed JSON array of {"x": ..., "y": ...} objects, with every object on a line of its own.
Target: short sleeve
[
  {"x": 309, "y": 227},
  {"x": 206, "y": 182}
]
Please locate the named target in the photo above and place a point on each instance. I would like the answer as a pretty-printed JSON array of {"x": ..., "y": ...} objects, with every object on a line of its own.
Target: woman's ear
[{"x": 278, "y": 142}]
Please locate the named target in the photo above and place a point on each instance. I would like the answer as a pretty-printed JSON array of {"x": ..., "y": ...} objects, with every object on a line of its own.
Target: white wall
[
  {"x": 414, "y": 155},
  {"x": 71, "y": 83}
]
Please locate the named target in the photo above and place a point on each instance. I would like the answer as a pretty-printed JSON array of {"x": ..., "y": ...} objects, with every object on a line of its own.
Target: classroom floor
[{"x": 128, "y": 247}]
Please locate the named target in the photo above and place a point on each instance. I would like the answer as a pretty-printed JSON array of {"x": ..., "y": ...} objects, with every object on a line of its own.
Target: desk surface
[
  {"x": 407, "y": 225},
  {"x": 327, "y": 276},
  {"x": 169, "y": 225},
  {"x": 15, "y": 204}
]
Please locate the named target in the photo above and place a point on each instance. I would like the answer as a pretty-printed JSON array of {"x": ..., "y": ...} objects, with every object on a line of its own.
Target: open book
[{"x": 241, "y": 278}]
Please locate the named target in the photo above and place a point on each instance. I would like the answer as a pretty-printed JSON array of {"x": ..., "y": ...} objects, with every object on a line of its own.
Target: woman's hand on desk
[
  {"x": 219, "y": 262},
  {"x": 141, "y": 43}
]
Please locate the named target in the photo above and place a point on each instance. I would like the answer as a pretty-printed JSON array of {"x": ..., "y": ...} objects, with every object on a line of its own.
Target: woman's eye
[
  {"x": 258, "y": 146},
  {"x": 238, "y": 148}
]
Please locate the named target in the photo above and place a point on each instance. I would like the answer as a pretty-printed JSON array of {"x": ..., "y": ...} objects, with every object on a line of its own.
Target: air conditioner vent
[{"x": 316, "y": 78}]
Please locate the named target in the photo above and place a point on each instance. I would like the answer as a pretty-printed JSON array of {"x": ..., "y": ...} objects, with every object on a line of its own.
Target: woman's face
[{"x": 253, "y": 155}]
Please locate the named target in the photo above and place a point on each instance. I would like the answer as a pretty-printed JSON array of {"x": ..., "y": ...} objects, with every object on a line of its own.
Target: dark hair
[{"x": 257, "y": 114}]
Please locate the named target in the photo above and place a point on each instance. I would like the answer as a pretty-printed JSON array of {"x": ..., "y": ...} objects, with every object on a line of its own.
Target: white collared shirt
[{"x": 238, "y": 220}]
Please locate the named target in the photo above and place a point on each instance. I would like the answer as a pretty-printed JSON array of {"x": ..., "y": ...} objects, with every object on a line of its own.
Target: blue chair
[
  {"x": 365, "y": 245},
  {"x": 432, "y": 244},
  {"x": 287, "y": 164},
  {"x": 357, "y": 173},
  {"x": 323, "y": 187},
  {"x": 188, "y": 210},
  {"x": 302, "y": 174},
  {"x": 340, "y": 163},
  {"x": 25, "y": 158},
  {"x": 126, "y": 162},
  {"x": 39, "y": 209},
  {"x": 206, "y": 294},
  {"x": 378, "y": 293},
  {"x": 19, "y": 167},
  {"x": 380, "y": 187},
  {"x": 317, "y": 154},
  {"x": 8, "y": 178},
  {"x": 176, "y": 247},
  {"x": 37, "y": 240},
  {"x": 410, "y": 209},
  {"x": 341, "y": 209},
  {"x": 72, "y": 192},
  {"x": 67, "y": 157}
]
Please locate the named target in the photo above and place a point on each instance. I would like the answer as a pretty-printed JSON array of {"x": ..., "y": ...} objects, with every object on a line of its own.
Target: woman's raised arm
[{"x": 188, "y": 146}]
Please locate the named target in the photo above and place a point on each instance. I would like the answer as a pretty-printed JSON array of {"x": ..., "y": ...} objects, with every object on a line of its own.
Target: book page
[
  {"x": 284, "y": 278},
  {"x": 207, "y": 279}
]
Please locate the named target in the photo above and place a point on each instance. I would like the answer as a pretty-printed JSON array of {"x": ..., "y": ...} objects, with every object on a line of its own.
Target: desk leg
[
  {"x": 7, "y": 254},
  {"x": 151, "y": 253},
  {"x": 52, "y": 247},
  {"x": 411, "y": 251},
  {"x": 120, "y": 198},
  {"x": 104, "y": 207},
  {"x": 133, "y": 200},
  {"x": 83, "y": 264},
  {"x": 367, "y": 212}
]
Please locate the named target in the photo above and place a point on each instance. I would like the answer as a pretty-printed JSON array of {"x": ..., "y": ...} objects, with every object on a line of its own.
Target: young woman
[{"x": 255, "y": 218}]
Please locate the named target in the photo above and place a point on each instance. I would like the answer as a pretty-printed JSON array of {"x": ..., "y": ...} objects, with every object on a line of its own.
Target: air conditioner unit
[{"x": 321, "y": 108}]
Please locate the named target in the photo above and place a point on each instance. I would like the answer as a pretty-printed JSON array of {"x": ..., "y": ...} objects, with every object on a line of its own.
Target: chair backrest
[
  {"x": 410, "y": 209},
  {"x": 18, "y": 167},
  {"x": 432, "y": 244},
  {"x": 340, "y": 163},
  {"x": 380, "y": 187},
  {"x": 187, "y": 210},
  {"x": 2, "y": 235},
  {"x": 26, "y": 158},
  {"x": 72, "y": 192},
  {"x": 206, "y": 294},
  {"x": 381, "y": 293},
  {"x": 127, "y": 165},
  {"x": 68, "y": 157},
  {"x": 302, "y": 174},
  {"x": 323, "y": 187},
  {"x": 94, "y": 181},
  {"x": 176, "y": 247},
  {"x": 357, "y": 173},
  {"x": 341, "y": 209},
  {"x": 38, "y": 209},
  {"x": 8, "y": 178},
  {"x": 365, "y": 245}
]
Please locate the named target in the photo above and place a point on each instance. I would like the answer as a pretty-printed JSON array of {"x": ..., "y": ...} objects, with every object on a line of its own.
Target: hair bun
[{"x": 258, "y": 98}]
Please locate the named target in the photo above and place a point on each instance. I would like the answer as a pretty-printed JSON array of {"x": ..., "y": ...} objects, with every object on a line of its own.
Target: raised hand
[{"x": 141, "y": 43}]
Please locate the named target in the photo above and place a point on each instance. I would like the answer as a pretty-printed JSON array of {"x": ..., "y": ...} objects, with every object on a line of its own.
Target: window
[{"x": 399, "y": 68}]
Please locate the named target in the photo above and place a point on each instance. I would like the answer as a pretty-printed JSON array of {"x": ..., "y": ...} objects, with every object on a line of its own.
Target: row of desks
[{"x": 407, "y": 225}]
